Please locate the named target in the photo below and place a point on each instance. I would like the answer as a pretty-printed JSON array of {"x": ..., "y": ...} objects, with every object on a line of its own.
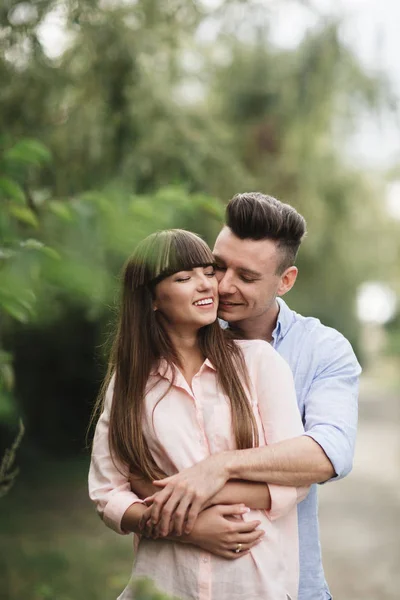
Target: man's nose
[{"x": 225, "y": 284}]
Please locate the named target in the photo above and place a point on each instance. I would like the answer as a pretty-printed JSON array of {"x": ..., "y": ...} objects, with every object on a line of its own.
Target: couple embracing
[{"x": 213, "y": 434}]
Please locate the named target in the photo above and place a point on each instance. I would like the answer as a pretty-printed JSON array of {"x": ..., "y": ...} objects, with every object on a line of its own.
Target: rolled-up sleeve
[
  {"x": 109, "y": 486},
  {"x": 331, "y": 403},
  {"x": 280, "y": 419}
]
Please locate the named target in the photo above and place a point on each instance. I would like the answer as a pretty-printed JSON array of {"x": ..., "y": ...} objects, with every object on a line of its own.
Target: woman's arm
[
  {"x": 253, "y": 494},
  {"x": 109, "y": 486}
]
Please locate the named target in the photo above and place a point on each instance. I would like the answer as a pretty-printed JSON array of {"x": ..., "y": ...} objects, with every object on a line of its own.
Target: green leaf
[
  {"x": 24, "y": 214},
  {"x": 15, "y": 310},
  {"x": 61, "y": 210},
  {"x": 30, "y": 152},
  {"x": 11, "y": 190},
  {"x": 32, "y": 244}
]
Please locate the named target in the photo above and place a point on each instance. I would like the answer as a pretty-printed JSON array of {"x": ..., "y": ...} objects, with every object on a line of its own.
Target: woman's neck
[{"x": 187, "y": 348}]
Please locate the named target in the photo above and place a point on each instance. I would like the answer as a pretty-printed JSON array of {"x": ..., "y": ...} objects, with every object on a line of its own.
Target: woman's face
[{"x": 188, "y": 299}]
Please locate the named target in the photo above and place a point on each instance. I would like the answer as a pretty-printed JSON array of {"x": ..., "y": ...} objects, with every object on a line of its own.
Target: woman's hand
[{"x": 219, "y": 530}]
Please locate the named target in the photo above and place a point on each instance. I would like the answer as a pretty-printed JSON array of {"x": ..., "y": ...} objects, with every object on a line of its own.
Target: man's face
[{"x": 247, "y": 280}]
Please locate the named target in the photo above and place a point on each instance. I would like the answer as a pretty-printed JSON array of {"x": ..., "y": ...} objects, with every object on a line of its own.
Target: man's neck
[{"x": 258, "y": 328}]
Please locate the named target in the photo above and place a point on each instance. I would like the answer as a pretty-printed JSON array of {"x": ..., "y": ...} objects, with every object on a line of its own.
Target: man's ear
[{"x": 288, "y": 279}]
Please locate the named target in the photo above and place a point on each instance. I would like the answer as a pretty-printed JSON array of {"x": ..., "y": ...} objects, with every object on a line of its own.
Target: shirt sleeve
[
  {"x": 331, "y": 403},
  {"x": 280, "y": 419},
  {"x": 109, "y": 486}
]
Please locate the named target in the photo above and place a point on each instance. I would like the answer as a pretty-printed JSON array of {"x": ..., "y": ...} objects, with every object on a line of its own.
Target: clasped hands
[
  {"x": 178, "y": 505},
  {"x": 181, "y": 497}
]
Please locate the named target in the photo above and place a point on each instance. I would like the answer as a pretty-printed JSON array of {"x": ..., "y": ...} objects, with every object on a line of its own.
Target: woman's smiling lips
[{"x": 204, "y": 302}]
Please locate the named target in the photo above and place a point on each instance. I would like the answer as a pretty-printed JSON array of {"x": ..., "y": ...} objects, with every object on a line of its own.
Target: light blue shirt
[{"x": 326, "y": 373}]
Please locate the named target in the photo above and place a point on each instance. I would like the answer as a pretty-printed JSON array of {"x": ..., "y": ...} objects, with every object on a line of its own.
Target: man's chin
[{"x": 229, "y": 314}]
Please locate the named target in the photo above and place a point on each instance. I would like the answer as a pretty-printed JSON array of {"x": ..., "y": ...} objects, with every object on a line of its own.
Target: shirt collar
[
  {"x": 164, "y": 369},
  {"x": 284, "y": 320}
]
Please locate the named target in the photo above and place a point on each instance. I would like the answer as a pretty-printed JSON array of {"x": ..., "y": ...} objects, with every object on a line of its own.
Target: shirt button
[{"x": 205, "y": 560}]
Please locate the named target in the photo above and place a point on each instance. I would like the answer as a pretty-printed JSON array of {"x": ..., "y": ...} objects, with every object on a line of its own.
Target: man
[{"x": 255, "y": 254}]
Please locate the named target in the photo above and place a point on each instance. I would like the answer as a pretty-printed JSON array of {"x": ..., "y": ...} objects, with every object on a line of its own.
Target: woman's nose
[{"x": 204, "y": 282}]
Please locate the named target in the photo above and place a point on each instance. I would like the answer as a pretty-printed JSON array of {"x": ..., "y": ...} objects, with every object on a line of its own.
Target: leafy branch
[{"x": 8, "y": 472}]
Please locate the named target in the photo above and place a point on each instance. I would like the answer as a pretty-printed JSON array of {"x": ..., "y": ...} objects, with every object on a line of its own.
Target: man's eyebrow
[
  {"x": 242, "y": 270},
  {"x": 245, "y": 271}
]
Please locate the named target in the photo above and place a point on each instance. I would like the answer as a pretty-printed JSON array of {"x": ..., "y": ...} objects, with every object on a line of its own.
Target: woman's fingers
[
  {"x": 232, "y": 509},
  {"x": 246, "y": 526},
  {"x": 244, "y": 548},
  {"x": 230, "y": 555},
  {"x": 250, "y": 538}
]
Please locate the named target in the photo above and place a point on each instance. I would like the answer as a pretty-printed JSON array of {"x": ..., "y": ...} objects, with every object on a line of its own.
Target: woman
[{"x": 178, "y": 390}]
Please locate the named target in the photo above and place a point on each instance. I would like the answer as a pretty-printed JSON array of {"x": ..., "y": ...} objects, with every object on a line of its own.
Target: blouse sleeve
[
  {"x": 280, "y": 419},
  {"x": 109, "y": 485}
]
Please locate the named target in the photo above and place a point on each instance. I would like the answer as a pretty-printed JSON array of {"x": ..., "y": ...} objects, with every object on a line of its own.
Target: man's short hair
[{"x": 256, "y": 216}]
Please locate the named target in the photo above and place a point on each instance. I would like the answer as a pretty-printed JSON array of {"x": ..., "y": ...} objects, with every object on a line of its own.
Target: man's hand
[{"x": 185, "y": 494}]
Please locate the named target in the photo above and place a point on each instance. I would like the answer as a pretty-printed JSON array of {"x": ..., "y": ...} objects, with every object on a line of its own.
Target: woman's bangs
[{"x": 183, "y": 252}]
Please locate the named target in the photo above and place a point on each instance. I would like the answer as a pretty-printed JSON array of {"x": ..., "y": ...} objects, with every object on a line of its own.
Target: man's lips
[{"x": 228, "y": 304}]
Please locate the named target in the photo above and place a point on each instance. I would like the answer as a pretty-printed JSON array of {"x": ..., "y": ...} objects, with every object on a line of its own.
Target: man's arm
[
  {"x": 325, "y": 451},
  {"x": 254, "y": 495},
  {"x": 185, "y": 494}
]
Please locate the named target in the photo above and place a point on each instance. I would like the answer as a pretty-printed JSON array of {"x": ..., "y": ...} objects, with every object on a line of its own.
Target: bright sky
[{"x": 371, "y": 28}]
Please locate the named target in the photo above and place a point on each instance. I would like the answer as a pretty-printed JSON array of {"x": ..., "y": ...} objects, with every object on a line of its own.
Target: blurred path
[{"x": 360, "y": 516}]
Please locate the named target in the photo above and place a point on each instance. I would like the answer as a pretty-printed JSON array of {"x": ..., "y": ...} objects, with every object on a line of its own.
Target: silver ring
[{"x": 238, "y": 548}]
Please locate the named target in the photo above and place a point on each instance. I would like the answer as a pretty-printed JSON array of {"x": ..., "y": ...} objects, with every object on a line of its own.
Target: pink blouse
[{"x": 187, "y": 426}]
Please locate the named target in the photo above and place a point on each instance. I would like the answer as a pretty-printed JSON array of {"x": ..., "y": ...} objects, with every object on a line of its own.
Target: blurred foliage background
[{"x": 139, "y": 124}]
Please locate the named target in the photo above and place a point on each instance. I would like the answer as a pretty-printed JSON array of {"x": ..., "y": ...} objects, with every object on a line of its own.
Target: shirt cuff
[
  {"x": 283, "y": 499},
  {"x": 330, "y": 449},
  {"x": 116, "y": 508}
]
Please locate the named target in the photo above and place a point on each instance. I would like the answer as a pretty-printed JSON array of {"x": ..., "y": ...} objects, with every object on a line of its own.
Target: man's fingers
[
  {"x": 168, "y": 512},
  {"x": 180, "y": 515},
  {"x": 158, "y": 503},
  {"x": 150, "y": 499},
  {"x": 162, "y": 482},
  {"x": 193, "y": 513},
  {"x": 144, "y": 518}
]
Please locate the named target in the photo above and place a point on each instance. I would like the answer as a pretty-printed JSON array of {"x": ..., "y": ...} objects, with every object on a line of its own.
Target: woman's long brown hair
[{"x": 141, "y": 342}]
